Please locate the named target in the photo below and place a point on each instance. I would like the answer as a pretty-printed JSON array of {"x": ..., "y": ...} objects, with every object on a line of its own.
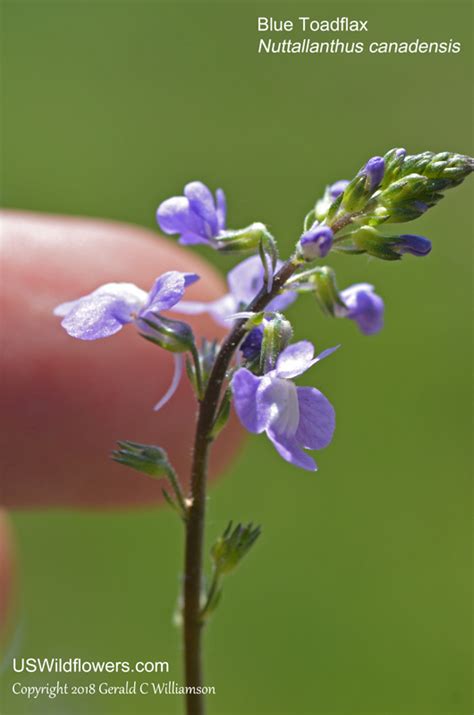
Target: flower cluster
[{"x": 347, "y": 219}]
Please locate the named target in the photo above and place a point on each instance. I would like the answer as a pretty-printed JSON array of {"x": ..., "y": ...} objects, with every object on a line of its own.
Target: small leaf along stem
[{"x": 193, "y": 571}]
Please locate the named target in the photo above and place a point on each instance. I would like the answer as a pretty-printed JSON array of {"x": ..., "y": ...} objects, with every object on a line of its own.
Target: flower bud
[
  {"x": 393, "y": 161},
  {"x": 374, "y": 171},
  {"x": 407, "y": 211},
  {"x": 403, "y": 190},
  {"x": 356, "y": 194},
  {"x": 316, "y": 242},
  {"x": 371, "y": 241},
  {"x": 144, "y": 458},
  {"x": 410, "y": 243},
  {"x": 389, "y": 248}
]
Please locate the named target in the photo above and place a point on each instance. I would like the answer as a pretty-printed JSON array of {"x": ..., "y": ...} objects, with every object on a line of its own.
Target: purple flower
[
  {"x": 106, "y": 310},
  {"x": 245, "y": 280},
  {"x": 197, "y": 216},
  {"x": 364, "y": 306},
  {"x": 316, "y": 242},
  {"x": 410, "y": 243},
  {"x": 294, "y": 418},
  {"x": 374, "y": 170},
  {"x": 337, "y": 189}
]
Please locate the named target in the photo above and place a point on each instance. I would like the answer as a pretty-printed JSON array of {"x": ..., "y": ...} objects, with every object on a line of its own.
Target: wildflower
[
  {"x": 245, "y": 281},
  {"x": 106, "y": 310},
  {"x": 197, "y": 216},
  {"x": 362, "y": 305},
  {"x": 294, "y": 418}
]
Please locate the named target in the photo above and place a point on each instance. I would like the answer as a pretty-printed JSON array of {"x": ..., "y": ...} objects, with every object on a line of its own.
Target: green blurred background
[{"x": 357, "y": 599}]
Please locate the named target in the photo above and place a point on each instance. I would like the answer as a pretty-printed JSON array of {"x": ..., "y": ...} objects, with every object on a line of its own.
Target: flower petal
[
  {"x": 245, "y": 280},
  {"x": 221, "y": 209},
  {"x": 167, "y": 290},
  {"x": 201, "y": 202},
  {"x": 103, "y": 312},
  {"x": 295, "y": 359},
  {"x": 178, "y": 371},
  {"x": 244, "y": 387},
  {"x": 317, "y": 419},
  {"x": 277, "y": 404},
  {"x": 176, "y": 216},
  {"x": 368, "y": 312},
  {"x": 194, "y": 239},
  {"x": 220, "y": 309},
  {"x": 288, "y": 448}
]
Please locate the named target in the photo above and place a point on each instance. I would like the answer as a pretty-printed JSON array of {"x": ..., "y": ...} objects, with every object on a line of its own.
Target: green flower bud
[
  {"x": 393, "y": 162},
  {"x": 144, "y": 458},
  {"x": 356, "y": 194},
  {"x": 369, "y": 240}
]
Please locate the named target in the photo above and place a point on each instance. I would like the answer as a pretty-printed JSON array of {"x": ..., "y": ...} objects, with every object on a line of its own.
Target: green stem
[{"x": 192, "y": 631}]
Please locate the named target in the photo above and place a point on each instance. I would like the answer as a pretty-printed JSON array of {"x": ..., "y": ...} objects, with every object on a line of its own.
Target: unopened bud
[{"x": 316, "y": 242}]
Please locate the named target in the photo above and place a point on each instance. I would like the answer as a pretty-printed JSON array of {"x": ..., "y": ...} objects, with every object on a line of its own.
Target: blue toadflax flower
[
  {"x": 106, "y": 310},
  {"x": 294, "y": 418},
  {"x": 245, "y": 280},
  {"x": 364, "y": 306},
  {"x": 197, "y": 216}
]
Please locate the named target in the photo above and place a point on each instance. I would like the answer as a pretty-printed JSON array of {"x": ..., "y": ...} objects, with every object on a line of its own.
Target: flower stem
[{"x": 193, "y": 572}]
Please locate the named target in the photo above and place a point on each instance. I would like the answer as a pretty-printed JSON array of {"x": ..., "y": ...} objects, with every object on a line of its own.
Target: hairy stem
[{"x": 193, "y": 574}]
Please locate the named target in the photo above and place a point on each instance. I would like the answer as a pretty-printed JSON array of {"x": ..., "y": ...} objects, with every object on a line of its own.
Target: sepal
[
  {"x": 144, "y": 458},
  {"x": 230, "y": 548},
  {"x": 173, "y": 335}
]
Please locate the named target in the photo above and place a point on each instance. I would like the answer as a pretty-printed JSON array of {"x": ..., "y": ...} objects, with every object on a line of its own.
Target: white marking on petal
[{"x": 281, "y": 399}]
